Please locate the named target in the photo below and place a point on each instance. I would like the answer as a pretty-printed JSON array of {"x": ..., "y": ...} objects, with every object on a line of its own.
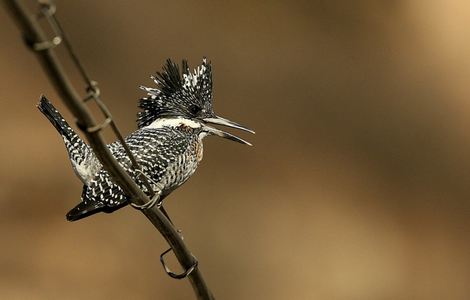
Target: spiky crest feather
[{"x": 176, "y": 92}]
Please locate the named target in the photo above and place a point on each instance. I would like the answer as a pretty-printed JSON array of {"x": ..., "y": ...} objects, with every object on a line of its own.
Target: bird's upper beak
[{"x": 221, "y": 121}]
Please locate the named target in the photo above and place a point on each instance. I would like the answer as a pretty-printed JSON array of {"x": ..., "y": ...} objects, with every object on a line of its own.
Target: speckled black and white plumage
[
  {"x": 183, "y": 93},
  {"x": 167, "y": 155},
  {"x": 167, "y": 151},
  {"x": 83, "y": 160},
  {"x": 167, "y": 145}
]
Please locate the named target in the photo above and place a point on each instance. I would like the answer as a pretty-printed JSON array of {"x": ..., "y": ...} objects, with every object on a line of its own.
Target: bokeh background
[{"x": 357, "y": 186}]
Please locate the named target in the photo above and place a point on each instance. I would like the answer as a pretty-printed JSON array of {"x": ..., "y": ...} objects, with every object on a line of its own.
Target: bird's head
[{"x": 187, "y": 95}]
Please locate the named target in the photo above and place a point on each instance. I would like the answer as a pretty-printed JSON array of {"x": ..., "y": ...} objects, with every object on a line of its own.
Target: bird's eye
[{"x": 194, "y": 109}]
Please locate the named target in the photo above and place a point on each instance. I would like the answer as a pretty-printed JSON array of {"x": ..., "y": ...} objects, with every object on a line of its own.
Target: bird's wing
[{"x": 155, "y": 150}]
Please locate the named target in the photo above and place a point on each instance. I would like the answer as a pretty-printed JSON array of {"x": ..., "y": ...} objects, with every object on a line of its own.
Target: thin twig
[
  {"x": 92, "y": 89},
  {"x": 34, "y": 35}
]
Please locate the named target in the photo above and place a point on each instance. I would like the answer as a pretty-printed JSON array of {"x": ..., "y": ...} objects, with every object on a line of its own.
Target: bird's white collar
[{"x": 173, "y": 122}]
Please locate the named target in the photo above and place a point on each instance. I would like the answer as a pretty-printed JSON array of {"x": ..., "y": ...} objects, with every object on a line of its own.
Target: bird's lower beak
[{"x": 221, "y": 121}]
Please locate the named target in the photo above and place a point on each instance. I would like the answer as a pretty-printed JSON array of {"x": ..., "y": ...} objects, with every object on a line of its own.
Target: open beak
[{"x": 221, "y": 121}]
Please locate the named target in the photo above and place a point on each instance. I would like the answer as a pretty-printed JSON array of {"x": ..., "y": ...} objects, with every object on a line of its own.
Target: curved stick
[{"x": 33, "y": 35}]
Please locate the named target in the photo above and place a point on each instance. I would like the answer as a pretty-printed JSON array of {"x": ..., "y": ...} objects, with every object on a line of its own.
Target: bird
[{"x": 174, "y": 118}]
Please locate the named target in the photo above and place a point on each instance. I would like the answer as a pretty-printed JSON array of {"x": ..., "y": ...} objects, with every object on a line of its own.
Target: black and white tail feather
[{"x": 83, "y": 160}]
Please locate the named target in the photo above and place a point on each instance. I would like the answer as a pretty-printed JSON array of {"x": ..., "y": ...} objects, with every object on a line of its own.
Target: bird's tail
[
  {"x": 84, "y": 162},
  {"x": 84, "y": 209},
  {"x": 88, "y": 207},
  {"x": 78, "y": 150},
  {"x": 56, "y": 118}
]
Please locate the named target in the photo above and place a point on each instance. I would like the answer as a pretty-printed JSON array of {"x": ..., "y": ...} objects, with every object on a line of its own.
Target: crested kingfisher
[{"x": 172, "y": 123}]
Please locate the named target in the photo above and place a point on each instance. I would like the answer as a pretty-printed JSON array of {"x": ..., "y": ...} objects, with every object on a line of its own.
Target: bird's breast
[{"x": 199, "y": 150}]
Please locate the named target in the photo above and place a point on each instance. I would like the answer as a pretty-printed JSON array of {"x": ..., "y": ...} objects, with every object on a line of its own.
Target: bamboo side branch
[{"x": 33, "y": 33}]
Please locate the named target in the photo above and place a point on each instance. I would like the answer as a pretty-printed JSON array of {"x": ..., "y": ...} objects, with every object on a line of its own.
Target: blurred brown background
[{"x": 357, "y": 186}]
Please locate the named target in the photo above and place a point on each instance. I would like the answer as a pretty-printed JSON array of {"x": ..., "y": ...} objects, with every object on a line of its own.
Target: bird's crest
[{"x": 177, "y": 92}]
